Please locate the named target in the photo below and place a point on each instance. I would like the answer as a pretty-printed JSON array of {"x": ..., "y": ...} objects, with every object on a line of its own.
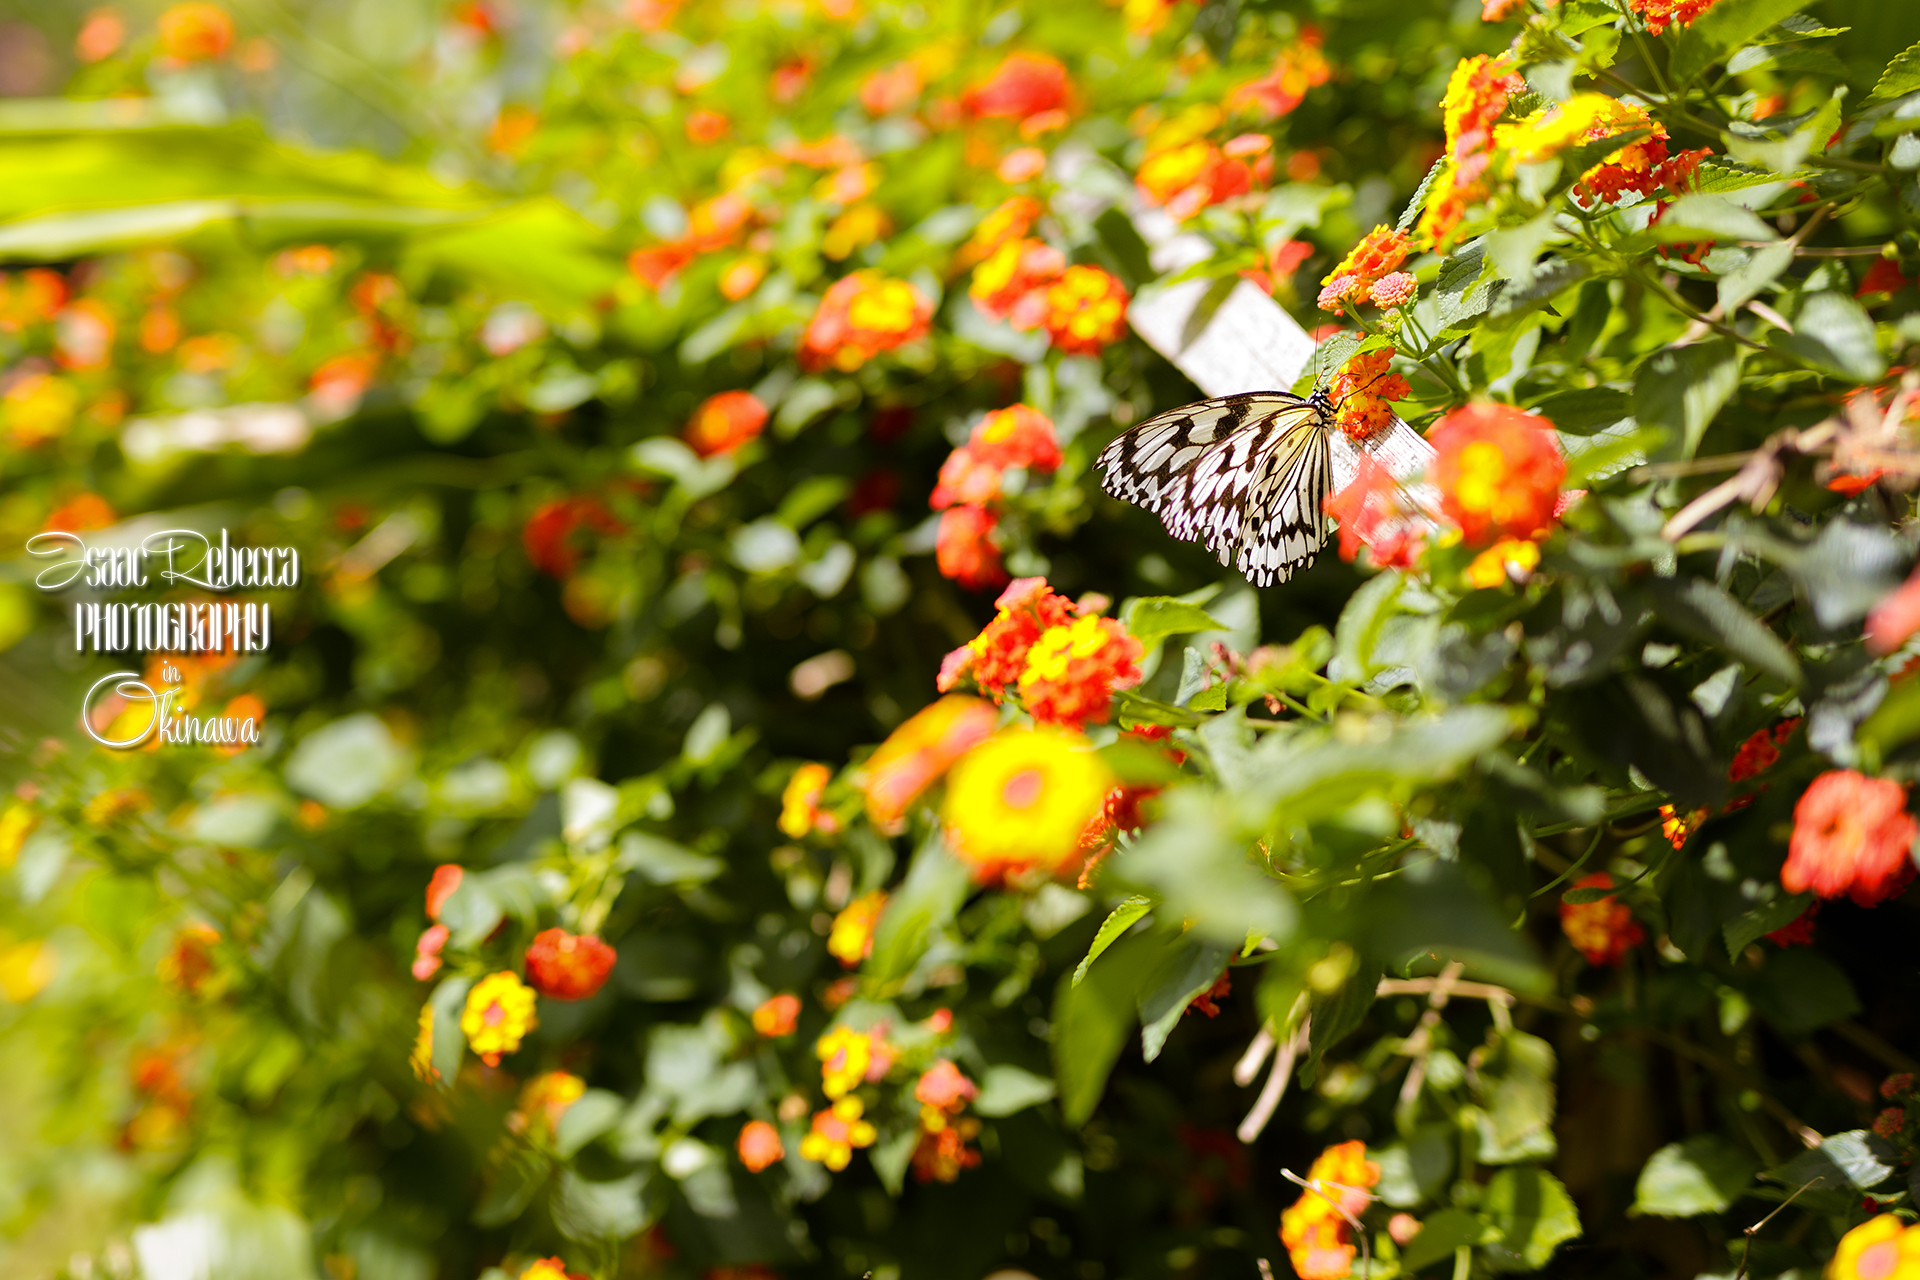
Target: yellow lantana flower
[
  {"x": 836, "y": 1132},
  {"x": 498, "y": 1015}
]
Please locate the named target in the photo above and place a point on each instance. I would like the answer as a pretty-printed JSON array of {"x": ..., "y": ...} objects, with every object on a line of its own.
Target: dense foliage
[{"x": 733, "y": 797}]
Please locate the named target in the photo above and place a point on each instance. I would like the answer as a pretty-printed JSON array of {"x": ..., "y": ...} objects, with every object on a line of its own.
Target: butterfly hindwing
[
  {"x": 1246, "y": 475},
  {"x": 1285, "y": 514}
]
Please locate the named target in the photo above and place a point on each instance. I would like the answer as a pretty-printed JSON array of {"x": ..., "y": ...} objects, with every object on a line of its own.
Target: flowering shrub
[{"x": 625, "y": 884}]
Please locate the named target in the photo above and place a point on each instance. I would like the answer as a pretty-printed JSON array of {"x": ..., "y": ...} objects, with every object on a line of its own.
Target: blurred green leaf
[
  {"x": 1533, "y": 1214},
  {"x": 1704, "y": 1174}
]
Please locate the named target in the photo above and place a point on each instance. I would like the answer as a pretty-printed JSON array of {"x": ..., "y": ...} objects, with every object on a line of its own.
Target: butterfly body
[{"x": 1246, "y": 474}]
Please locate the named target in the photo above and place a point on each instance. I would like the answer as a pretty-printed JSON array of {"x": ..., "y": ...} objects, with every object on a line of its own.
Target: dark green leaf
[
  {"x": 1092, "y": 1022},
  {"x": 1514, "y": 1086},
  {"x": 1802, "y": 990},
  {"x": 1188, "y": 971},
  {"x": 1585, "y": 410},
  {"x": 1779, "y": 911},
  {"x": 1697, "y": 608}
]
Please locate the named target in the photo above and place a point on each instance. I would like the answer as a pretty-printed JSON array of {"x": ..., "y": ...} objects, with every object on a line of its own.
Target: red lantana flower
[
  {"x": 568, "y": 966},
  {"x": 1373, "y": 511},
  {"x": 1604, "y": 930},
  {"x": 1025, "y": 84},
  {"x": 861, "y": 316},
  {"x": 995, "y": 658},
  {"x": 1498, "y": 472},
  {"x": 1378, "y": 255},
  {"x": 1362, "y": 388},
  {"x": 965, "y": 550},
  {"x": 1073, "y": 670},
  {"x": 1086, "y": 310},
  {"x": 1017, "y": 436},
  {"x": 1851, "y": 834},
  {"x": 548, "y": 533},
  {"x": 726, "y": 421}
]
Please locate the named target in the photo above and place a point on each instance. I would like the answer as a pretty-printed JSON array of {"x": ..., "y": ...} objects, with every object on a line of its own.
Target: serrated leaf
[
  {"x": 1118, "y": 921},
  {"x": 1704, "y": 1174},
  {"x": 1901, "y": 77}
]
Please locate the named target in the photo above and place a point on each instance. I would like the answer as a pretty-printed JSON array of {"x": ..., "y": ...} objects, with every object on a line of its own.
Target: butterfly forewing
[
  {"x": 1142, "y": 462},
  {"x": 1244, "y": 474}
]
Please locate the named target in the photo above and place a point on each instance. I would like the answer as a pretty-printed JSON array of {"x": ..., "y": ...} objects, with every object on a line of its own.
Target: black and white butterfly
[{"x": 1247, "y": 474}]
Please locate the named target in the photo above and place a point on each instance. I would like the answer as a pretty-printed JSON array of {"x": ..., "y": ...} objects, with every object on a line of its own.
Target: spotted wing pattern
[{"x": 1245, "y": 474}]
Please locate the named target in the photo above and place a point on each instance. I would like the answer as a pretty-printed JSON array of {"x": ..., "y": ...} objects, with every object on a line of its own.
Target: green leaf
[
  {"x": 1118, "y": 921},
  {"x": 658, "y": 860},
  {"x": 1781, "y": 910},
  {"x": 926, "y": 901},
  {"x": 1762, "y": 267},
  {"x": 1801, "y": 990},
  {"x": 1696, "y": 607},
  {"x": 1514, "y": 1085},
  {"x": 1440, "y": 1235},
  {"x": 591, "y": 1114},
  {"x": 1416, "y": 1169},
  {"x": 1193, "y": 967},
  {"x": 1578, "y": 897},
  {"x": 1704, "y": 1174},
  {"x": 1681, "y": 390},
  {"x": 1154, "y": 618},
  {"x": 1436, "y": 909},
  {"x": 1337, "y": 1014},
  {"x": 1092, "y": 1022},
  {"x": 1533, "y": 1214},
  {"x": 449, "y": 1042},
  {"x": 1855, "y": 1159},
  {"x": 1901, "y": 77},
  {"x": 1585, "y": 410},
  {"x": 1833, "y": 333},
  {"x": 1005, "y": 1089},
  {"x": 1709, "y": 217},
  {"x": 1725, "y": 27}
]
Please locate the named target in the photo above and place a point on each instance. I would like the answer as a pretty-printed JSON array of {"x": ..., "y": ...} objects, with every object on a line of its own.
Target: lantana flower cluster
[
  {"x": 969, "y": 491},
  {"x": 1063, "y": 664},
  {"x": 1029, "y": 284},
  {"x": 1314, "y": 1228}
]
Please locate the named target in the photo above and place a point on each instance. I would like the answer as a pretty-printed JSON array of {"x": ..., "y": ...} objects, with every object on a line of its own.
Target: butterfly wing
[
  {"x": 1141, "y": 463},
  {"x": 1286, "y": 523},
  {"x": 1245, "y": 474}
]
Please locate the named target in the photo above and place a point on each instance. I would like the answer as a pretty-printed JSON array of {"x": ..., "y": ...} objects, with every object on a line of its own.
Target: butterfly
[{"x": 1247, "y": 474}]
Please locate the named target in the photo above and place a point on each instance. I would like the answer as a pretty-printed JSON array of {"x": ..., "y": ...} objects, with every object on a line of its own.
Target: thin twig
[
  {"x": 1266, "y": 1269},
  {"x": 1314, "y": 1185},
  {"x": 1747, "y": 1248},
  {"x": 1249, "y": 1065},
  {"x": 1276, "y": 1086}
]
